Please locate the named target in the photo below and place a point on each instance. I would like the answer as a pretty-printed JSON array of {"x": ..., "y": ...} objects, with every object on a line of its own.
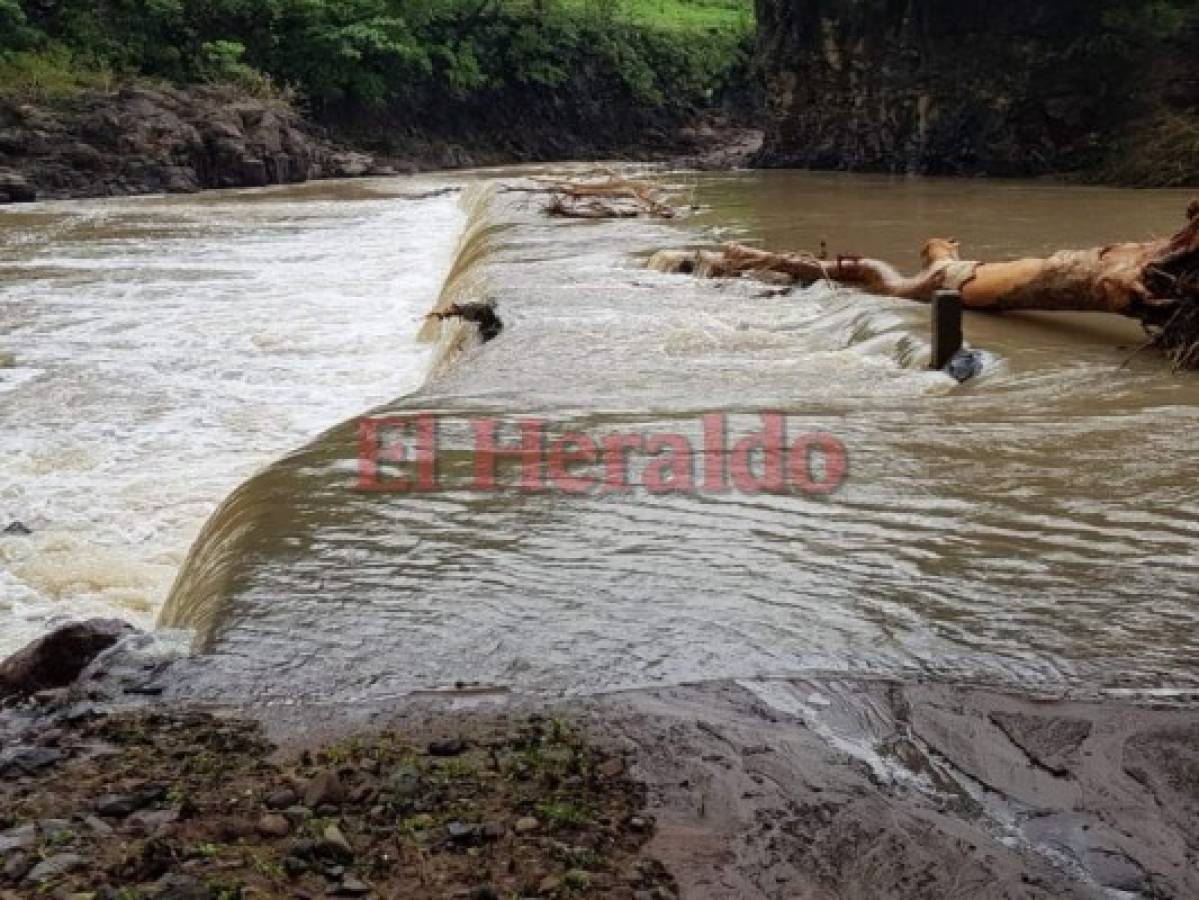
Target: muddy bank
[
  {"x": 828, "y": 788},
  {"x": 144, "y": 139},
  {"x": 782, "y": 789}
]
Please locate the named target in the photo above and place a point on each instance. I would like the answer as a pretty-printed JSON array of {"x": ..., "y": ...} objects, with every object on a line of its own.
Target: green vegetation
[
  {"x": 681, "y": 15},
  {"x": 425, "y": 61}
]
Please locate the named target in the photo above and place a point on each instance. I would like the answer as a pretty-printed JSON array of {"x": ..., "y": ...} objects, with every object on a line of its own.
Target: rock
[
  {"x": 405, "y": 783},
  {"x": 17, "y": 865},
  {"x": 84, "y": 156},
  {"x": 236, "y": 829},
  {"x": 23, "y": 837},
  {"x": 15, "y": 189},
  {"x": 57, "y": 659},
  {"x": 577, "y": 879},
  {"x": 17, "y": 761},
  {"x": 303, "y": 849},
  {"x": 119, "y": 806},
  {"x": 18, "y": 529},
  {"x": 294, "y": 866},
  {"x": 637, "y": 823},
  {"x": 151, "y": 820},
  {"x": 180, "y": 887},
  {"x": 549, "y": 885},
  {"x": 274, "y": 825},
  {"x": 55, "y": 867},
  {"x": 53, "y": 827},
  {"x": 253, "y": 173},
  {"x": 447, "y": 747},
  {"x": 527, "y": 825},
  {"x": 325, "y": 787},
  {"x": 335, "y": 844},
  {"x": 352, "y": 887},
  {"x": 493, "y": 831},
  {"x": 297, "y": 815},
  {"x": 611, "y": 768},
  {"x": 350, "y": 164},
  {"x": 98, "y": 825},
  {"x": 463, "y": 834},
  {"x": 282, "y": 799},
  {"x": 964, "y": 365}
]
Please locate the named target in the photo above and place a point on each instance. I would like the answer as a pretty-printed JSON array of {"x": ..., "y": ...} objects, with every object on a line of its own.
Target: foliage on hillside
[{"x": 420, "y": 56}]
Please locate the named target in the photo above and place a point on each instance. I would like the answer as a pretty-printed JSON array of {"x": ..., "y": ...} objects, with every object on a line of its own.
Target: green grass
[{"x": 676, "y": 15}]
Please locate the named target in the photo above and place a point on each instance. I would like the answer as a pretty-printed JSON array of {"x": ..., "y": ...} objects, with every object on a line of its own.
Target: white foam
[{"x": 166, "y": 349}]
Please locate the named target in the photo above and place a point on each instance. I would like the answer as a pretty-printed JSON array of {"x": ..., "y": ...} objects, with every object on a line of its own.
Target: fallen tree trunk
[{"x": 1156, "y": 283}]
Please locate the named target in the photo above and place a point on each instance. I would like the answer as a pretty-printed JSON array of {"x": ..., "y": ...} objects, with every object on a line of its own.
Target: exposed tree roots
[{"x": 1156, "y": 283}]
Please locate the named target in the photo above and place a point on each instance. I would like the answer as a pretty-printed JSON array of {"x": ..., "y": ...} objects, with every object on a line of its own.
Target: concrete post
[{"x": 947, "y": 327}]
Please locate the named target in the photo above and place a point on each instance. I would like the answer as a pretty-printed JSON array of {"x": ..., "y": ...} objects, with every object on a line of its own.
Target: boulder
[
  {"x": 57, "y": 659},
  {"x": 15, "y": 189}
]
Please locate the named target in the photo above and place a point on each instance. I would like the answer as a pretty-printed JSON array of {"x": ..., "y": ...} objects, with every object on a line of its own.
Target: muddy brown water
[{"x": 1035, "y": 526}]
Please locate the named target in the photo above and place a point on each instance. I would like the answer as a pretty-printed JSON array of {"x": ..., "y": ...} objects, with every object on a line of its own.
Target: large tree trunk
[{"x": 1156, "y": 282}]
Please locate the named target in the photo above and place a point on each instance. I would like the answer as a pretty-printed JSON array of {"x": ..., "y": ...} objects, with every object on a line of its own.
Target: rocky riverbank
[
  {"x": 160, "y": 139},
  {"x": 768, "y": 788},
  {"x": 146, "y": 139}
]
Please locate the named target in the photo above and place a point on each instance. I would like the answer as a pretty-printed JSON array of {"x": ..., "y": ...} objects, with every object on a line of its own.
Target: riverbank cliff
[{"x": 1025, "y": 88}]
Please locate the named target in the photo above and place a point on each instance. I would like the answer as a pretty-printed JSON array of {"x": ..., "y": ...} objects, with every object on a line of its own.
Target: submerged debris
[
  {"x": 610, "y": 197},
  {"x": 482, "y": 314}
]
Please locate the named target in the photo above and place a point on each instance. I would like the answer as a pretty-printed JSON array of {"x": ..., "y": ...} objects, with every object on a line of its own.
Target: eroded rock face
[
  {"x": 924, "y": 87},
  {"x": 56, "y": 660},
  {"x": 161, "y": 141}
]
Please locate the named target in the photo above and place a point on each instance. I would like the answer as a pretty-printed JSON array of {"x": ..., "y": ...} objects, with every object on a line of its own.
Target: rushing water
[
  {"x": 1038, "y": 524},
  {"x": 155, "y": 352}
]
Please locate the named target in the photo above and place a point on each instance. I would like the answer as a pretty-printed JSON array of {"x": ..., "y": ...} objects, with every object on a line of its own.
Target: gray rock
[
  {"x": 151, "y": 820},
  {"x": 463, "y": 834},
  {"x": 118, "y": 806},
  {"x": 282, "y": 799},
  {"x": 23, "y": 837},
  {"x": 17, "y": 761},
  {"x": 55, "y": 867},
  {"x": 53, "y": 827},
  {"x": 352, "y": 887},
  {"x": 17, "y": 865},
  {"x": 335, "y": 844},
  {"x": 180, "y": 887},
  {"x": 98, "y": 825}
]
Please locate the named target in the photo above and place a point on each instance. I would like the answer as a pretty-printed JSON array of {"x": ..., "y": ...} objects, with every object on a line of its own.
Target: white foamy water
[{"x": 154, "y": 353}]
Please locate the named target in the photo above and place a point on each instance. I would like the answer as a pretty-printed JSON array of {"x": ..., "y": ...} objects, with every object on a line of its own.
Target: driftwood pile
[{"x": 611, "y": 196}]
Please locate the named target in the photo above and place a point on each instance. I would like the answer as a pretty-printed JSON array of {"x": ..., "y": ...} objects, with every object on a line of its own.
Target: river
[{"x": 1037, "y": 525}]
